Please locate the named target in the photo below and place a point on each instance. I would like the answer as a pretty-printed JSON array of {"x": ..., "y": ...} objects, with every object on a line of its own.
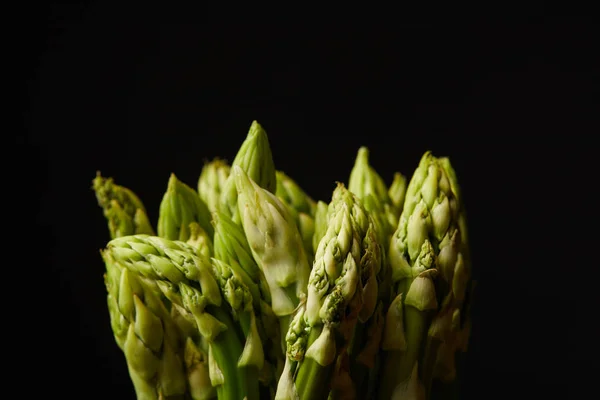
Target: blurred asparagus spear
[
  {"x": 430, "y": 281},
  {"x": 212, "y": 180},
  {"x": 122, "y": 208},
  {"x": 396, "y": 193},
  {"x": 302, "y": 207},
  {"x": 231, "y": 247}
]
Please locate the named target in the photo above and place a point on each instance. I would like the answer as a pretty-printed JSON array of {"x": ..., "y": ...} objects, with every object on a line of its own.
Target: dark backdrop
[{"x": 513, "y": 107}]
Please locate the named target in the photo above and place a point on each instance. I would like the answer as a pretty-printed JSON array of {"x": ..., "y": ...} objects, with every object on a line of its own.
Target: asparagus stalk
[
  {"x": 322, "y": 330},
  {"x": 231, "y": 247},
  {"x": 426, "y": 245},
  {"x": 181, "y": 206},
  {"x": 122, "y": 208},
  {"x": 396, "y": 193},
  {"x": 255, "y": 159},
  {"x": 187, "y": 280},
  {"x": 321, "y": 222},
  {"x": 276, "y": 246},
  {"x": 240, "y": 300},
  {"x": 211, "y": 182},
  {"x": 370, "y": 188},
  {"x": 145, "y": 332},
  {"x": 302, "y": 207}
]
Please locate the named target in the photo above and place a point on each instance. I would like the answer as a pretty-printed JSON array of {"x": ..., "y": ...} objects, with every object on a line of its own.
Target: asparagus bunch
[{"x": 251, "y": 289}]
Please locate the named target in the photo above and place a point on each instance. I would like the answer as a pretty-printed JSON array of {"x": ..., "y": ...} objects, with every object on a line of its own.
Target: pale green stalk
[
  {"x": 180, "y": 207},
  {"x": 255, "y": 159},
  {"x": 240, "y": 300},
  {"x": 211, "y": 182},
  {"x": 231, "y": 247},
  {"x": 124, "y": 211},
  {"x": 276, "y": 245}
]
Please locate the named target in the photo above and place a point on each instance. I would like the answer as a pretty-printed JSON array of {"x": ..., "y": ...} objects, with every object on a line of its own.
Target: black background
[{"x": 514, "y": 106}]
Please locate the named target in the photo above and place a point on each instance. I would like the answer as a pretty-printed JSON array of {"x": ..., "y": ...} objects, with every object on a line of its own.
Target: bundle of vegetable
[{"x": 250, "y": 289}]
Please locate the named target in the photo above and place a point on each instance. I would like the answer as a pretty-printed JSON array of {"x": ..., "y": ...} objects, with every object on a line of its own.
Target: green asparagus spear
[
  {"x": 212, "y": 181},
  {"x": 340, "y": 289},
  {"x": 429, "y": 277},
  {"x": 231, "y": 247},
  {"x": 255, "y": 159},
  {"x": 143, "y": 329},
  {"x": 396, "y": 192},
  {"x": 179, "y": 207},
  {"x": 302, "y": 207},
  {"x": 187, "y": 280},
  {"x": 276, "y": 245},
  {"x": 321, "y": 222},
  {"x": 370, "y": 188},
  {"x": 293, "y": 195},
  {"x": 122, "y": 208},
  {"x": 240, "y": 300}
]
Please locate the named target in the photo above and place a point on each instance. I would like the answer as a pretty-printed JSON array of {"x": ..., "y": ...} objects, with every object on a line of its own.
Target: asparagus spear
[
  {"x": 211, "y": 182},
  {"x": 122, "y": 208},
  {"x": 370, "y": 188},
  {"x": 426, "y": 245},
  {"x": 180, "y": 206},
  {"x": 255, "y": 159},
  {"x": 321, "y": 222},
  {"x": 144, "y": 331},
  {"x": 240, "y": 300},
  {"x": 396, "y": 193},
  {"x": 293, "y": 195},
  {"x": 276, "y": 246},
  {"x": 322, "y": 329},
  {"x": 188, "y": 281},
  {"x": 231, "y": 247},
  {"x": 302, "y": 207}
]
